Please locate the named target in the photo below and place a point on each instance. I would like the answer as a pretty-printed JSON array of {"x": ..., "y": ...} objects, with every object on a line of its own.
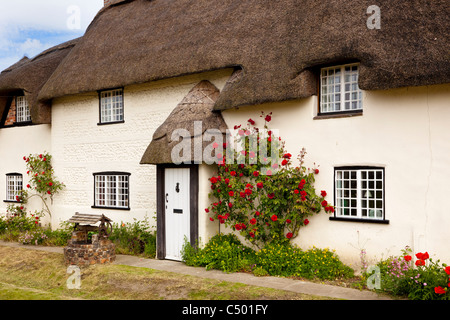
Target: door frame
[{"x": 161, "y": 209}]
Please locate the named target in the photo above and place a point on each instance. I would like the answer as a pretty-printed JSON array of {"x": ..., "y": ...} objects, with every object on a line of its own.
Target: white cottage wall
[
  {"x": 81, "y": 147},
  {"x": 403, "y": 130},
  {"x": 17, "y": 142}
]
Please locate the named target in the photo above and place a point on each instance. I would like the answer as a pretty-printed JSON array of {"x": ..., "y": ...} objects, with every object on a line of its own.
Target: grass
[{"x": 35, "y": 275}]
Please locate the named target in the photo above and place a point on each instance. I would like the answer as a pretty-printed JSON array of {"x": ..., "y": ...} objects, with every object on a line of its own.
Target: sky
[{"x": 28, "y": 27}]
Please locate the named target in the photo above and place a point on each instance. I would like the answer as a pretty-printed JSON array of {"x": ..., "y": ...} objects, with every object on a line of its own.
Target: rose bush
[{"x": 265, "y": 198}]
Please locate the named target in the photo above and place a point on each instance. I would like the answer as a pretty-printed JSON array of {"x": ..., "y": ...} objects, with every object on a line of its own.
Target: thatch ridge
[{"x": 278, "y": 45}]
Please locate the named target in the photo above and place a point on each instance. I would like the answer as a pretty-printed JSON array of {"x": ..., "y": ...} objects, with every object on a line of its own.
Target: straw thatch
[
  {"x": 278, "y": 45},
  {"x": 196, "y": 106},
  {"x": 28, "y": 76}
]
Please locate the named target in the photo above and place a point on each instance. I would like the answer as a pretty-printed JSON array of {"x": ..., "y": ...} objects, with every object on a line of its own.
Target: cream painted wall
[
  {"x": 81, "y": 147},
  {"x": 406, "y": 131},
  {"x": 15, "y": 143}
]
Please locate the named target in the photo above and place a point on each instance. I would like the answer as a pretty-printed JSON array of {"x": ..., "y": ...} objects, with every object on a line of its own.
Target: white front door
[{"x": 177, "y": 210}]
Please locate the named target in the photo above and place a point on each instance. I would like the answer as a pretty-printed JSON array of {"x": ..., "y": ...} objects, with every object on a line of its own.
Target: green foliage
[
  {"x": 135, "y": 238},
  {"x": 227, "y": 253}
]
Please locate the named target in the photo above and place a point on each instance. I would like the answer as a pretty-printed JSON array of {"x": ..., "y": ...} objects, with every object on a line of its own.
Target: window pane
[{"x": 111, "y": 106}]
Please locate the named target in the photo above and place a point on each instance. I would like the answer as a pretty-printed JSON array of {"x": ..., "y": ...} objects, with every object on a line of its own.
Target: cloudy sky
[{"x": 28, "y": 27}]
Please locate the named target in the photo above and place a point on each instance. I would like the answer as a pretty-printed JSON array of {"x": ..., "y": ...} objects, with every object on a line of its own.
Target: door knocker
[{"x": 177, "y": 188}]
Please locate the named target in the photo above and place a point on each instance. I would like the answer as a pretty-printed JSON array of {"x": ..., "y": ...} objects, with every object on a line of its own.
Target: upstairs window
[
  {"x": 111, "y": 106},
  {"x": 22, "y": 110},
  {"x": 14, "y": 184},
  {"x": 339, "y": 90},
  {"x": 111, "y": 190}
]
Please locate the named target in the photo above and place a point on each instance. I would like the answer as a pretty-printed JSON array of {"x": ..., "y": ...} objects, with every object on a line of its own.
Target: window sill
[
  {"x": 359, "y": 220},
  {"x": 12, "y": 201},
  {"x": 337, "y": 115},
  {"x": 112, "y": 122},
  {"x": 111, "y": 208}
]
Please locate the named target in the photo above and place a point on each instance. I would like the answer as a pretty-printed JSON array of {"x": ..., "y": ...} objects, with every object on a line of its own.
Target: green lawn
[{"x": 36, "y": 275}]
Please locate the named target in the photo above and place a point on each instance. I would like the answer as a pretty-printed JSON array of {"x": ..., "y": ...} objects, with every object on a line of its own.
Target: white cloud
[{"x": 28, "y": 27}]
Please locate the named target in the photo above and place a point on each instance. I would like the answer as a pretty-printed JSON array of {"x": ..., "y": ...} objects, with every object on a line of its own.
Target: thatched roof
[
  {"x": 28, "y": 76},
  {"x": 196, "y": 106},
  {"x": 276, "y": 43}
]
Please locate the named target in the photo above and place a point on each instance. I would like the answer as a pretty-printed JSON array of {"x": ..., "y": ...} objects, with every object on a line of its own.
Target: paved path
[{"x": 268, "y": 282}]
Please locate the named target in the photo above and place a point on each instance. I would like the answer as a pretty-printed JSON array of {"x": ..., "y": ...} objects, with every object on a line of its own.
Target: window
[
  {"x": 339, "y": 90},
  {"x": 359, "y": 193},
  {"x": 111, "y": 190},
  {"x": 22, "y": 110},
  {"x": 14, "y": 185},
  {"x": 111, "y": 106}
]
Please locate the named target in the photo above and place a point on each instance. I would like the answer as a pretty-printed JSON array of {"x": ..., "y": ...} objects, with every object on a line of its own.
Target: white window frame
[
  {"x": 14, "y": 184},
  {"x": 339, "y": 89},
  {"x": 112, "y": 190},
  {"x": 22, "y": 110},
  {"x": 360, "y": 193},
  {"x": 111, "y": 106}
]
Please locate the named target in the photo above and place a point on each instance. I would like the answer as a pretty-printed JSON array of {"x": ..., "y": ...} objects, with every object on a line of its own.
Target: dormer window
[
  {"x": 22, "y": 110},
  {"x": 111, "y": 106},
  {"x": 339, "y": 90}
]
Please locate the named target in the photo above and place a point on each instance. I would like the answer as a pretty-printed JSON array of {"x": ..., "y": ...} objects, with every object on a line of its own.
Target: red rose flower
[
  {"x": 271, "y": 195},
  {"x": 447, "y": 270},
  {"x": 253, "y": 221},
  {"x": 316, "y": 171},
  {"x": 257, "y": 213},
  {"x": 284, "y": 162},
  {"x": 407, "y": 258},
  {"x": 230, "y": 205},
  {"x": 252, "y": 122},
  {"x": 289, "y": 235},
  {"x": 233, "y": 173},
  {"x": 305, "y": 222},
  {"x": 422, "y": 256},
  {"x": 324, "y": 203},
  {"x": 287, "y": 155},
  {"x": 296, "y": 191},
  {"x": 268, "y": 118},
  {"x": 439, "y": 290},
  {"x": 231, "y": 193},
  {"x": 251, "y": 234},
  {"x": 274, "y": 218},
  {"x": 207, "y": 210},
  {"x": 211, "y": 219},
  {"x": 255, "y": 173},
  {"x": 237, "y": 227},
  {"x": 260, "y": 185},
  {"x": 288, "y": 221},
  {"x": 213, "y": 180},
  {"x": 323, "y": 193},
  {"x": 420, "y": 262}
]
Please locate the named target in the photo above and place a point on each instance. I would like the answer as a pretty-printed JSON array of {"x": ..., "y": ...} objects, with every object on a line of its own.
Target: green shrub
[
  {"x": 134, "y": 238},
  {"x": 222, "y": 252},
  {"x": 226, "y": 253}
]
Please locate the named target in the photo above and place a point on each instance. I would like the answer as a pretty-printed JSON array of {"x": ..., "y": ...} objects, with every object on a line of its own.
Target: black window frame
[
  {"x": 335, "y": 216},
  {"x": 12, "y": 174},
  {"x": 100, "y": 123},
  {"x": 112, "y": 173}
]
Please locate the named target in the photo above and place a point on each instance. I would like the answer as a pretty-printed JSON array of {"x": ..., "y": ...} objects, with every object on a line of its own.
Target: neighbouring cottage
[{"x": 369, "y": 105}]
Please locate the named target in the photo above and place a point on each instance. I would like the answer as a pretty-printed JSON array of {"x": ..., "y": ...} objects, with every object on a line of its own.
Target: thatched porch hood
[
  {"x": 277, "y": 44},
  {"x": 28, "y": 76}
]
